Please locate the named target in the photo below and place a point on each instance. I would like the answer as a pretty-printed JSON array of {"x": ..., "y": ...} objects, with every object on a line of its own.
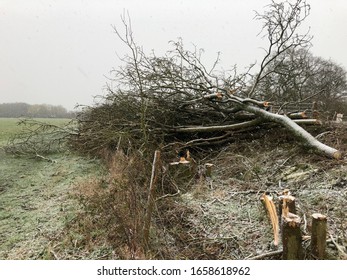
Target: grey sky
[{"x": 59, "y": 51}]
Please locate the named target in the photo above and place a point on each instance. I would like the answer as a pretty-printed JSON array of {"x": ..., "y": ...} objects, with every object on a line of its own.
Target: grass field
[
  {"x": 9, "y": 127},
  {"x": 44, "y": 216},
  {"x": 35, "y": 197}
]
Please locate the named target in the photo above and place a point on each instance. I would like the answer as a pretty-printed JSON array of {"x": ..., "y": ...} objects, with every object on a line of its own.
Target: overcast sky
[{"x": 60, "y": 51}]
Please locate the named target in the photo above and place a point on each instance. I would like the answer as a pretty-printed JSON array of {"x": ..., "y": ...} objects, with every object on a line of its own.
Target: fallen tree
[
  {"x": 297, "y": 131},
  {"x": 175, "y": 100}
]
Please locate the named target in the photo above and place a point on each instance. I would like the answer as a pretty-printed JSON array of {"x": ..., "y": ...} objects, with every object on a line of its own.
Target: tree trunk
[
  {"x": 297, "y": 130},
  {"x": 291, "y": 238},
  {"x": 319, "y": 233}
]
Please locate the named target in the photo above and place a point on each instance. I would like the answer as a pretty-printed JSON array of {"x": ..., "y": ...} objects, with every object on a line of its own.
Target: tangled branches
[
  {"x": 39, "y": 138},
  {"x": 174, "y": 100}
]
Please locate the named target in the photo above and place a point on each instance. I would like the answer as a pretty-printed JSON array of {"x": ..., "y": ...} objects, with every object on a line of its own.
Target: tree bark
[
  {"x": 237, "y": 126},
  {"x": 297, "y": 131},
  {"x": 151, "y": 198},
  {"x": 218, "y": 127},
  {"x": 291, "y": 238},
  {"x": 319, "y": 233}
]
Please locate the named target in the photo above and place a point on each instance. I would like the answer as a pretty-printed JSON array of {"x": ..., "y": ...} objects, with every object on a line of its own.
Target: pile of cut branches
[
  {"x": 174, "y": 100},
  {"x": 38, "y": 137}
]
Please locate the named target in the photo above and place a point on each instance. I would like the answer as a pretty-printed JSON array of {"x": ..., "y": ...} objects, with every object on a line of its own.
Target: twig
[
  {"x": 54, "y": 254},
  {"x": 168, "y": 195},
  {"x": 305, "y": 224},
  {"x": 338, "y": 247},
  {"x": 217, "y": 200},
  {"x": 44, "y": 158},
  {"x": 266, "y": 255}
]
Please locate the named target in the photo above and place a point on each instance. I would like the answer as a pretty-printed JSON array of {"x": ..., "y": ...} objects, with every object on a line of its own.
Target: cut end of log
[
  {"x": 291, "y": 237},
  {"x": 219, "y": 95},
  {"x": 183, "y": 160},
  {"x": 208, "y": 169},
  {"x": 298, "y": 115},
  {"x": 292, "y": 220},
  {"x": 319, "y": 216},
  {"x": 319, "y": 233},
  {"x": 337, "y": 155}
]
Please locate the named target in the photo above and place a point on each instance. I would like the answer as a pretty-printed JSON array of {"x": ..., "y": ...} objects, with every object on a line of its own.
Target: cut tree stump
[
  {"x": 318, "y": 238},
  {"x": 286, "y": 203},
  {"x": 291, "y": 237},
  {"x": 208, "y": 169},
  {"x": 182, "y": 171}
]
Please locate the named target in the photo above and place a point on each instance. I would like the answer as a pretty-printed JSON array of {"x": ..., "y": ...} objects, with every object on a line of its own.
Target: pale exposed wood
[
  {"x": 182, "y": 172},
  {"x": 286, "y": 205},
  {"x": 308, "y": 121},
  {"x": 271, "y": 210},
  {"x": 297, "y": 115},
  {"x": 238, "y": 126},
  {"x": 208, "y": 169}
]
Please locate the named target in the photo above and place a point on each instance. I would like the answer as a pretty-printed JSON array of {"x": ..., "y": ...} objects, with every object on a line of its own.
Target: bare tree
[
  {"x": 298, "y": 77},
  {"x": 280, "y": 25}
]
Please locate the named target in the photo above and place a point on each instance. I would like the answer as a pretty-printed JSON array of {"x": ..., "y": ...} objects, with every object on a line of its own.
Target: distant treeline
[{"x": 17, "y": 110}]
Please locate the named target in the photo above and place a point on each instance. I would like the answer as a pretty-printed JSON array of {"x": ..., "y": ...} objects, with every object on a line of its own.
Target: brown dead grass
[{"x": 111, "y": 218}]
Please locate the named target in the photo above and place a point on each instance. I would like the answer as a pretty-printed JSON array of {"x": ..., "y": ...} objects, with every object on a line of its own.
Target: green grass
[
  {"x": 9, "y": 127},
  {"x": 35, "y": 196}
]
